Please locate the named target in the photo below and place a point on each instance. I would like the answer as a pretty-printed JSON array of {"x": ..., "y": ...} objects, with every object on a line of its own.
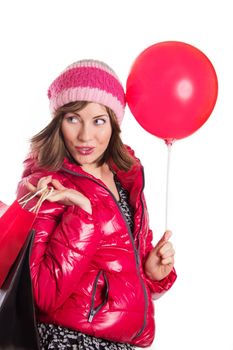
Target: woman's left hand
[
  {"x": 160, "y": 260},
  {"x": 61, "y": 194}
]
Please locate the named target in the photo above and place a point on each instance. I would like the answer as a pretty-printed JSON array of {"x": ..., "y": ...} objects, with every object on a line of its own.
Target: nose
[{"x": 85, "y": 133}]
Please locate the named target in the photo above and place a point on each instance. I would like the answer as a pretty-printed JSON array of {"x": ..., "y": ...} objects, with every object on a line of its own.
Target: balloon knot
[{"x": 169, "y": 142}]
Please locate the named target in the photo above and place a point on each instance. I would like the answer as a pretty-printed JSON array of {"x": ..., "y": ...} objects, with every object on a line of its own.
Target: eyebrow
[
  {"x": 95, "y": 117},
  {"x": 101, "y": 115}
]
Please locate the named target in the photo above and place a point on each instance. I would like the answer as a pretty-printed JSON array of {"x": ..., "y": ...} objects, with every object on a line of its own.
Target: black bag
[{"x": 18, "y": 329}]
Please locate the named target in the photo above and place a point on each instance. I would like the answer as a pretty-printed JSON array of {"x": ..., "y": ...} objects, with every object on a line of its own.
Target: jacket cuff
[{"x": 158, "y": 288}]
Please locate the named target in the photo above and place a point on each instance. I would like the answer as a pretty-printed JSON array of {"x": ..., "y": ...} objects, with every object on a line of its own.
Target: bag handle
[{"x": 44, "y": 192}]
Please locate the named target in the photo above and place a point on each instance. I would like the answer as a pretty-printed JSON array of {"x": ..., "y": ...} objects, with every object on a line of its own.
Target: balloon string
[{"x": 169, "y": 145}]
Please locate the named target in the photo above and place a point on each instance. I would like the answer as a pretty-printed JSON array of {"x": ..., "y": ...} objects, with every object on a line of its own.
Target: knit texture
[{"x": 88, "y": 80}]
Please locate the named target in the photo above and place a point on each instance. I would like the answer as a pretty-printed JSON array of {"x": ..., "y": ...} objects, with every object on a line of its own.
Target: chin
[{"x": 82, "y": 162}]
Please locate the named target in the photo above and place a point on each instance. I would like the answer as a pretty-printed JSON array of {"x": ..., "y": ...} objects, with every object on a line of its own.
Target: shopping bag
[
  {"x": 15, "y": 223},
  {"x": 18, "y": 329}
]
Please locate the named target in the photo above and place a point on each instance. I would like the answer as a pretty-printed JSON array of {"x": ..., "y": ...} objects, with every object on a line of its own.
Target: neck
[{"x": 99, "y": 172}]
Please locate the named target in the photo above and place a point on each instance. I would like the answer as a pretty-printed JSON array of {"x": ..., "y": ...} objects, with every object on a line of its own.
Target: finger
[
  {"x": 30, "y": 187},
  {"x": 165, "y": 247},
  {"x": 52, "y": 197},
  {"x": 168, "y": 261},
  {"x": 57, "y": 185},
  {"x": 166, "y": 236},
  {"x": 166, "y": 250},
  {"x": 168, "y": 253},
  {"x": 55, "y": 196},
  {"x": 43, "y": 182}
]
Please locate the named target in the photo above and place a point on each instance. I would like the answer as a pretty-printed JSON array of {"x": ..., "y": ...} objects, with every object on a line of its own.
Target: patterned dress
[{"x": 57, "y": 337}]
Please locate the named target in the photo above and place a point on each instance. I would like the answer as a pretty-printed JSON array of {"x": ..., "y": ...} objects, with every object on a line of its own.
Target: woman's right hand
[{"x": 61, "y": 194}]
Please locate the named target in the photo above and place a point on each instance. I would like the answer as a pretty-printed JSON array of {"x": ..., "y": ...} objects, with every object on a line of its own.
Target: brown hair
[{"x": 49, "y": 148}]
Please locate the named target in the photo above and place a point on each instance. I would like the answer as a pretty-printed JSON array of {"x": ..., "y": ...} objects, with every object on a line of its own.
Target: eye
[
  {"x": 100, "y": 121},
  {"x": 71, "y": 119}
]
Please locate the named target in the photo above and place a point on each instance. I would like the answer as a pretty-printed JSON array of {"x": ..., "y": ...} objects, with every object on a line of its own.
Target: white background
[{"x": 40, "y": 38}]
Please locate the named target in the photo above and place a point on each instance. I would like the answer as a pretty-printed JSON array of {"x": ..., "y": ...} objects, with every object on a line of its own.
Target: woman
[{"x": 93, "y": 266}]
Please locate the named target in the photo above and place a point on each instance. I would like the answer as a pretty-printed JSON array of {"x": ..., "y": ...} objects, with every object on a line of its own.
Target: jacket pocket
[{"x": 104, "y": 293}]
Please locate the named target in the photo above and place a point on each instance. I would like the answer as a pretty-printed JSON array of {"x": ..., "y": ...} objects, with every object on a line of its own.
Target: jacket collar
[{"x": 132, "y": 180}]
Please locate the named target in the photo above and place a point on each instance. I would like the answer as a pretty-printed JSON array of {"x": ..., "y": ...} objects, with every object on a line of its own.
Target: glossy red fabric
[
  {"x": 87, "y": 270},
  {"x": 15, "y": 224}
]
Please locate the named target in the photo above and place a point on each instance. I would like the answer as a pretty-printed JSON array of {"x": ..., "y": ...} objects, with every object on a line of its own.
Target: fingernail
[{"x": 168, "y": 234}]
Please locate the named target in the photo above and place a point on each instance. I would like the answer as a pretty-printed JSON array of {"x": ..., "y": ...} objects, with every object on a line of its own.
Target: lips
[{"x": 85, "y": 150}]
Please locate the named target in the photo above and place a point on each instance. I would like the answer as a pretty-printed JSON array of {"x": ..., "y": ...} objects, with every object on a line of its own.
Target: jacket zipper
[
  {"x": 140, "y": 277},
  {"x": 93, "y": 311},
  {"x": 136, "y": 252}
]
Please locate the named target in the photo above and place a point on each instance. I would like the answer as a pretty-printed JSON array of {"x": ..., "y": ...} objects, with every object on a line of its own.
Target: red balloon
[{"x": 171, "y": 89}]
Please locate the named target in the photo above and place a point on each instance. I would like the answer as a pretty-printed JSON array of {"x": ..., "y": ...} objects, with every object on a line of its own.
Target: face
[{"x": 87, "y": 133}]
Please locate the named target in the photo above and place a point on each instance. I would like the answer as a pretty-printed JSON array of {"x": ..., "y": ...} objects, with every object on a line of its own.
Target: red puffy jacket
[{"x": 87, "y": 269}]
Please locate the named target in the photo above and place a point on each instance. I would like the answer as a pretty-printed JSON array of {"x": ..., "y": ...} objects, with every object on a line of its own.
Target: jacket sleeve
[
  {"x": 158, "y": 288},
  {"x": 64, "y": 242}
]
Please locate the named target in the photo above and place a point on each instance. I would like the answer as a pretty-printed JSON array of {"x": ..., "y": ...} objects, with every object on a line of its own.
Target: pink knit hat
[{"x": 88, "y": 80}]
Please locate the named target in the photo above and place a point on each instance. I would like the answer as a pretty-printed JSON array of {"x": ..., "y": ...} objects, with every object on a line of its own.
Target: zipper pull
[{"x": 91, "y": 315}]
